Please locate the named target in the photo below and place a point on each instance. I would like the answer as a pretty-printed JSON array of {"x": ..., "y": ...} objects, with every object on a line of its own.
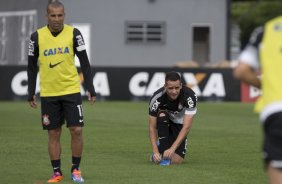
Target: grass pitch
[{"x": 224, "y": 146}]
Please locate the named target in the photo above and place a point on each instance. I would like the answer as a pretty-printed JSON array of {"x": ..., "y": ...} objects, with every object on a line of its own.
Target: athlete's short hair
[
  {"x": 54, "y": 3},
  {"x": 172, "y": 76}
]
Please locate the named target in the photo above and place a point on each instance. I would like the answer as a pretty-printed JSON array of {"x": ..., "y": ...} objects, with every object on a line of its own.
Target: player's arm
[
  {"x": 32, "y": 68},
  {"x": 247, "y": 74},
  {"x": 246, "y": 69},
  {"x": 187, "y": 124},
  {"x": 190, "y": 111},
  {"x": 153, "y": 134},
  {"x": 80, "y": 51}
]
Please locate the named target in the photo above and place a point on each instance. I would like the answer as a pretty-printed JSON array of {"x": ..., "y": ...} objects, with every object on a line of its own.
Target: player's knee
[
  {"x": 75, "y": 131},
  {"x": 162, "y": 116},
  {"x": 176, "y": 159},
  {"x": 55, "y": 132}
]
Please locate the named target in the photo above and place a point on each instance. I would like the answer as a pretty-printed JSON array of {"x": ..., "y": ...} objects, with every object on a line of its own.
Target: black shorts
[
  {"x": 56, "y": 110},
  {"x": 272, "y": 147},
  {"x": 174, "y": 130}
]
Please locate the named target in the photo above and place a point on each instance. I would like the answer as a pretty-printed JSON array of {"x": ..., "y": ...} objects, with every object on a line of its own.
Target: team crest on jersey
[
  {"x": 180, "y": 106},
  {"x": 54, "y": 51},
  {"x": 45, "y": 120}
]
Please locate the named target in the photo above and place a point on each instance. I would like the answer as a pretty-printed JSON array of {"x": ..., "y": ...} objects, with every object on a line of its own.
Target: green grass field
[{"x": 224, "y": 146}]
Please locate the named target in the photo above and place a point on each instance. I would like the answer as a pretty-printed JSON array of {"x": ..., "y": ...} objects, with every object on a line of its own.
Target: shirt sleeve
[
  {"x": 32, "y": 68},
  {"x": 80, "y": 51},
  {"x": 250, "y": 55},
  {"x": 191, "y": 104},
  {"x": 153, "y": 107},
  {"x": 154, "y": 104}
]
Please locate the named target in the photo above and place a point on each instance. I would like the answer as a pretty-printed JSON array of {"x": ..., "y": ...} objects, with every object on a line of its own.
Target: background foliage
[{"x": 253, "y": 13}]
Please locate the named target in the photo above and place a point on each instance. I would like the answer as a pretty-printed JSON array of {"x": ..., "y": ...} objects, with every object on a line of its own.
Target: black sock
[
  {"x": 75, "y": 163},
  {"x": 56, "y": 164}
]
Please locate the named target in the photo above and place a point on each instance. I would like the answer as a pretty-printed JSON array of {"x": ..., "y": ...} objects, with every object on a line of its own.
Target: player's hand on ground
[{"x": 33, "y": 102}]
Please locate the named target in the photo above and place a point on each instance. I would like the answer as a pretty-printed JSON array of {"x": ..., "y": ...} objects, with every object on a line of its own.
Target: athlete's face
[
  {"x": 173, "y": 89},
  {"x": 55, "y": 16}
]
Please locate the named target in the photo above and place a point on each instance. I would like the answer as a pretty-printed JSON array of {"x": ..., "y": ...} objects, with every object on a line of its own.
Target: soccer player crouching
[{"x": 171, "y": 112}]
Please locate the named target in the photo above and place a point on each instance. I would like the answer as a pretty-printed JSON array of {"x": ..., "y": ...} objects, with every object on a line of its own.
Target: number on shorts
[{"x": 80, "y": 110}]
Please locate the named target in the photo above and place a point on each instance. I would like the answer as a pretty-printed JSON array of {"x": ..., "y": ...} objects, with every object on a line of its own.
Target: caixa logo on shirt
[{"x": 54, "y": 51}]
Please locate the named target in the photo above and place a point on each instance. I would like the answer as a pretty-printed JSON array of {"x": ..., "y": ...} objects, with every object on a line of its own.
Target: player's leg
[
  {"x": 163, "y": 126},
  {"x": 54, "y": 149},
  {"x": 274, "y": 175},
  {"x": 52, "y": 120},
  {"x": 180, "y": 152},
  {"x": 178, "y": 156},
  {"x": 273, "y": 148},
  {"x": 54, "y": 145},
  {"x": 74, "y": 116},
  {"x": 76, "y": 147},
  {"x": 163, "y": 131}
]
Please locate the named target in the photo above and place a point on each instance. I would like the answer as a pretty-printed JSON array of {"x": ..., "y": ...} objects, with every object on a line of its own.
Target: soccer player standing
[
  {"x": 171, "y": 113},
  {"x": 53, "y": 47},
  {"x": 264, "y": 52}
]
